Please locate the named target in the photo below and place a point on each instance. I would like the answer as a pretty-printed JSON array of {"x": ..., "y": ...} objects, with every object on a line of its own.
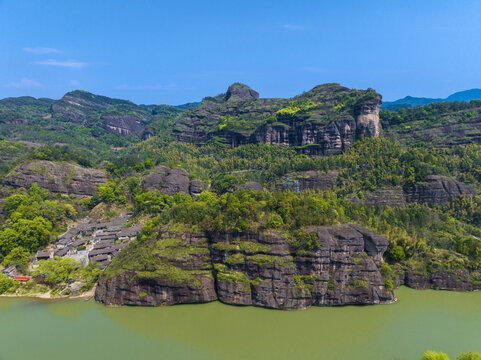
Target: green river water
[{"x": 421, "y": 320}]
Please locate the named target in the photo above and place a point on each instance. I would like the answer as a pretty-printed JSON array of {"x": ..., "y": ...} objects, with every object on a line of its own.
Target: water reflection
[{"x": 445, "y": 321}]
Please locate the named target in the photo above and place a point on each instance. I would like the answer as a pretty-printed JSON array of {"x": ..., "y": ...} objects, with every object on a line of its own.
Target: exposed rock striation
[
  {"x": 323, "y": 121},
  {"x": 57, "y": 178},
  {"x": 437, "y": 189},
  {"x": 385, "y": 197},
  {"x": 460, "y": 280},
  {"x": 263, "y": 269},
  {"x": 252, "y": 185},
  {"x": 178, "y": 272},
  {"x": 306, "y": 180}
]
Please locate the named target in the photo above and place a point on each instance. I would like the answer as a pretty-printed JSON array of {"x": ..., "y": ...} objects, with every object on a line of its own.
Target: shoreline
[{"x": 48, "y": 297}]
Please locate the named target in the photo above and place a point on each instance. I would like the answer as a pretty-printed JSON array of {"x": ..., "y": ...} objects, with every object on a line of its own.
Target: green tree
[
  {"x": 397, "y": 253},
  {"x": 56, "y": 271},
  {"x": 469, "y": 356},
  {"x": 7, "y": 284},
  {"x": 19, "y": 257},
  {"x": 432, "y": 355},
  {"x": 32, "y": 234},
  {"x": 107, "y": 192}
]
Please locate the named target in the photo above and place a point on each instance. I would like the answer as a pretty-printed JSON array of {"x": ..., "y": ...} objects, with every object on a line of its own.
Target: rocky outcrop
[
  {"x": 339, "y": 267},
  {"x": 385, "y": 197},
  {"x": 240, "y": 92},
  {"x": 176, "y": 274},
  {"x": 323, "y": 121},
  {"x": 306, "y": 180},
  {"x": 252, "y": 185},
  {"x": 196, "y": 187},
  {"x": 123, "y": 124},
  {"x": 437, "y": 189},
  {"x": 460, "y": 280},
  {"x": 171, "y": 181},
  {"x": 57, "y": 178},
  {"x": 367, "y": 119}
]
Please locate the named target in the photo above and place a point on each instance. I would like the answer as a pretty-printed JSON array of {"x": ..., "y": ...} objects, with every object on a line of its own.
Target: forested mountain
[
  {"x": 410, "y": 101},
  {"x": 321, "y": 199},
  {"x": 83, "y": 119}
]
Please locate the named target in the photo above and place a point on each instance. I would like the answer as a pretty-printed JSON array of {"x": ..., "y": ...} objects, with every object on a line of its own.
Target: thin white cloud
[
  {"x": 24, "y": 83},
  {"x": 63, "y": 63},
  {"x": 42, "y": 50},
  {"x": 293, "y": 27},
  {"x": 145, "y": 87}
]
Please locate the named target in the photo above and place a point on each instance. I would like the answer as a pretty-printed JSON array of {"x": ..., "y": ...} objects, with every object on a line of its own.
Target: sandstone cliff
[
  {"x": 340, "y": 267},
  {"x": 57, "y": 178},
  {"x": 325, "y": 120},
  {"x": 306, "y": 180},
  {"x": 437, "y": 189}
]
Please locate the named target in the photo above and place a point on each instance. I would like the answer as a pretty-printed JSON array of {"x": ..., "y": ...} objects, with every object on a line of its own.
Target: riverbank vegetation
[{"x": 432, "y": 355}]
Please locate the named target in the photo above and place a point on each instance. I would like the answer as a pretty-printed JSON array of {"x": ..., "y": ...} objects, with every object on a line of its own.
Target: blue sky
[{"x": 180, "y": 51}]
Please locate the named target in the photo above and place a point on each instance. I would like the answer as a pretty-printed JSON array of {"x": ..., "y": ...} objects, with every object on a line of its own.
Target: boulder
[
  {"x": 171, "y": 181},
  {"x": 196, "y": 187}
]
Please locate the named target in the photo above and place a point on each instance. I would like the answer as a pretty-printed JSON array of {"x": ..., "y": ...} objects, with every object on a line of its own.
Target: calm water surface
[{"x": 443, "y": 321}]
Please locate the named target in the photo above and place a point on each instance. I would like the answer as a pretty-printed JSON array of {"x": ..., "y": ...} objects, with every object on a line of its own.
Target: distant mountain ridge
[{"x": 410, "y": 101}]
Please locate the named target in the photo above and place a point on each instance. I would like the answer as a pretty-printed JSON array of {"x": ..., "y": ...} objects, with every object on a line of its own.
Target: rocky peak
[{"x": 240, "y": 92}]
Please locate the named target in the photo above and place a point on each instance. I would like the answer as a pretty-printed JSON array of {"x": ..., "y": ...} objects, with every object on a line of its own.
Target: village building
[
  {"x": 43, "y": 255},
  {"x": 62, "y": 252},
  {"x": 128, "y": 234},
  {"x": 10, "y": 272},
  {"x": 101, "y": 259},
  {"x": 103, "y": 244}
]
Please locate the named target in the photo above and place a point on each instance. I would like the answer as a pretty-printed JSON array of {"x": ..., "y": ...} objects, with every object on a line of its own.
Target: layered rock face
[
  {"x": 437, "y": 189},
  {"x": 329, "y": 123},
  {"x": 321, "y": 138},
  {"x": 176, "y": 271},
  {"x": 57, "y": 178},
  {"x": 461, "y": 280},
  {"x": 171, "y": 181},
  {"x": 306, "y": 180},
  {"x": 386, "y": 197},
  {"x": 262, "y": 269}
]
